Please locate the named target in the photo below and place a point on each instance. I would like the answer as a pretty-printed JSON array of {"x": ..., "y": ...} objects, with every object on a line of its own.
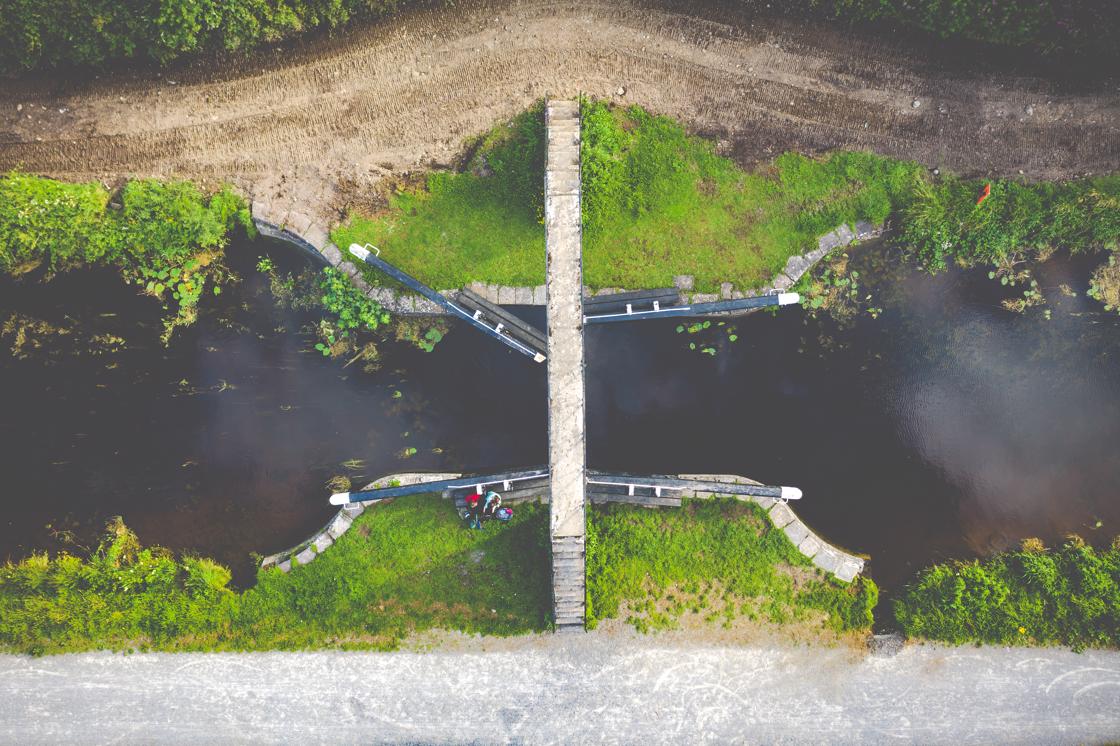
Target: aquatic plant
[
  {"x": 1104, "y": 285},
  {"x": 833, "y": 287},
  {"x": 423, "y": 333}
]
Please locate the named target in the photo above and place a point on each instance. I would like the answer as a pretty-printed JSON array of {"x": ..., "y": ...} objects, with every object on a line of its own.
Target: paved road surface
[{"x": 567, "y": 690}]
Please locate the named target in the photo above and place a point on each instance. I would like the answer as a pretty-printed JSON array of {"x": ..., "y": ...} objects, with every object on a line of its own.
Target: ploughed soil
[{"x": 315, "y": 123}]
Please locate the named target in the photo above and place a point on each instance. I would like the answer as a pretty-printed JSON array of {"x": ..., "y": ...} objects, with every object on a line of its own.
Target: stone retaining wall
[
  {"x": 825, "y": 556},
  {"x": 297, "y": 228},
  {"x": 307, "y": 550}
]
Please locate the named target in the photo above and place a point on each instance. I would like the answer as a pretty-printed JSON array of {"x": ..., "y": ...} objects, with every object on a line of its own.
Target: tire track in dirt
[{"x": 294, "y": 123}]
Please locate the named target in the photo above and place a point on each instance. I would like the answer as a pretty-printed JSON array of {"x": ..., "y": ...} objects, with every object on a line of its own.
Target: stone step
[{"x": 565, "y": 108}]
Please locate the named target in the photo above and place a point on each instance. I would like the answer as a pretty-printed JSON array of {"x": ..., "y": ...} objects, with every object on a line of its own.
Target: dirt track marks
[{"x": 409, "y": 91}]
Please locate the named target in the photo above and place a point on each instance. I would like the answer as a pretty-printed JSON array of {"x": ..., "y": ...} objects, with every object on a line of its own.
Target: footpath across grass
[
  {"x": 403, "y": 567},
  {"x": 719, "y": 560},
  {"x": 657, "y": 202}
]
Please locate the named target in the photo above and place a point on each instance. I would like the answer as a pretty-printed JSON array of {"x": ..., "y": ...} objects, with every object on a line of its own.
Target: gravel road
[
  {"x": 323, "y": 121},
  {"x": 565, "y": 690}
]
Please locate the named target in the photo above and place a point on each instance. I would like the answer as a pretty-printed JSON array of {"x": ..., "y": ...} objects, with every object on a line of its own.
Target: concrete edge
[
  {"x": 311, "y": 547},
  {"x": 831, "y": 559}
]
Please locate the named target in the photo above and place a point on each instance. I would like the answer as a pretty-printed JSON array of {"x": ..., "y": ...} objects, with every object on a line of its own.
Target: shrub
[
  {"x": 942, "y": 221},
  {"x": 52, "y": 33},
  {"x": 164, "y": 236},
  {"x": 1052, "y": 26},
  {"x": 406, "y": 566},
  {"x": 1070, "y": 596}
]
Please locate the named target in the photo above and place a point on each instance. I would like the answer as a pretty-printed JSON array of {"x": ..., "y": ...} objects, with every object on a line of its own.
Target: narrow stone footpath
[{"x": 566, "y": 421}]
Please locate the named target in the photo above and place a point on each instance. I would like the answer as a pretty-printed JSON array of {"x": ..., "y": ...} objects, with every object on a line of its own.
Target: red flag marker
[{"x": 985, "y": 193}]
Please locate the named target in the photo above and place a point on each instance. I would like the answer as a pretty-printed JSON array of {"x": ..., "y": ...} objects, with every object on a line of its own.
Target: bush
[
  {"x": 1070, "y": 596},
  {"x": 164, "y": 236},
  {"x": 406, "y": 566},
  {"x": 52, "y": 33},
  {"x": 1086, "y": 27},
  {"x": 943, "y": 221}
]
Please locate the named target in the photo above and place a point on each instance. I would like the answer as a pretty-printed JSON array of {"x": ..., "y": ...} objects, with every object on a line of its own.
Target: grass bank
[
  {"x": 716, "y": 560},
  {"x": 1067, "y": 596},
  {"x": 657, "y": 202},
  {"x": 402, "y": 567}
]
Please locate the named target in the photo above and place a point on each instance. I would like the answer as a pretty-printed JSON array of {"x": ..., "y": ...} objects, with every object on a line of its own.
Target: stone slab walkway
[{"x": 566, "y": 404}]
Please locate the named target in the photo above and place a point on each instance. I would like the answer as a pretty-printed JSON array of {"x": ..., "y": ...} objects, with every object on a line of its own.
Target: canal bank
[{"x": 945, "y": 428}]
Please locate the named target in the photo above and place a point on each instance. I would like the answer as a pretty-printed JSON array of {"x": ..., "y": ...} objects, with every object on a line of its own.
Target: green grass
[
  {"x": 403, "y": 567},
  {"x": 657, "y": 203},
  {"x": 459, "y": 227},
  {"x": 717, "y": 558}
]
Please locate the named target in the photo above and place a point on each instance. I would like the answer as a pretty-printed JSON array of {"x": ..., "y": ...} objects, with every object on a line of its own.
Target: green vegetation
[
  {"x": 403, "y": 567},
  {"x": 942, "y": 221},
  {"x": 484, "y": 223},
  {"x": 657, "y": 202},
  {"x": 719, "y": 558},
  {"x": 165, "y": 237},
  {"x": 1069, "y": 596},
  {"x": 1087, "y": 27},
  {"x": 53, "y": 33}
]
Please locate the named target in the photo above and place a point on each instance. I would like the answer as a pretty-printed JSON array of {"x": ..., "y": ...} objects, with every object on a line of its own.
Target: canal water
[{"x": 947, "y": 427}]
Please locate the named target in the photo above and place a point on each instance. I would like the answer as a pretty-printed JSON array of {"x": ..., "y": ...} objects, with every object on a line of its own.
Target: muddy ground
[{"x": 320, "y": 121}]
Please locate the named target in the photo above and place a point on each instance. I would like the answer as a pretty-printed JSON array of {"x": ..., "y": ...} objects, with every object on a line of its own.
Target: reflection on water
[
  {"x": 222, "y": 443},
  {"x": 947, "y": 427}
]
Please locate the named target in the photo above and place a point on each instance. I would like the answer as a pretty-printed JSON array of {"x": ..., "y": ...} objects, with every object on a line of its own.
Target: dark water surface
[{"x": 946, "y": 428}]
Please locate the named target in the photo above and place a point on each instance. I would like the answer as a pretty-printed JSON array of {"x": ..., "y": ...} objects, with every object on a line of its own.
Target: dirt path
[{"x": 308, "y": 125}]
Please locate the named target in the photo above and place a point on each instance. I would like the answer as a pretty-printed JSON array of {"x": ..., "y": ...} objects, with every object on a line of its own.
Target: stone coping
[
  {"x": 306, "y": 551},
  {"x": 843, "y": 565},
  {"x": 313, "y": 237}
]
